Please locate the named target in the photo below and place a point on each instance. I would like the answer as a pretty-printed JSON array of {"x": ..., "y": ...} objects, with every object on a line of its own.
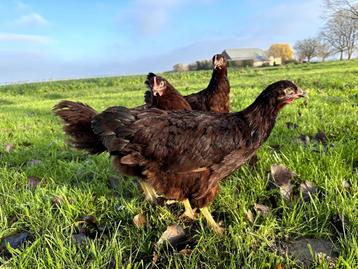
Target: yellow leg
[
  {"x": 149, "y": 191},
  {"x": 189, "y": 212},
  {"x": 170, "y": 202},
  {"x": 211, "y": 221}
]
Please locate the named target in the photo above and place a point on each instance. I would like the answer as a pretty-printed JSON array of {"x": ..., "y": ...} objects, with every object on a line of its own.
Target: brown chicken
[
  {"x": 216, "y": 96},
  {"x": 162, "y": 95},
  {"x": 183, "y": 155},
  {"x": 77, "y": 118}
]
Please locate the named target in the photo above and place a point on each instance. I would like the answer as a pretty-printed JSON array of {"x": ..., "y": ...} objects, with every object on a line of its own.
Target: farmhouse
[{"x": 249, "y": 57}]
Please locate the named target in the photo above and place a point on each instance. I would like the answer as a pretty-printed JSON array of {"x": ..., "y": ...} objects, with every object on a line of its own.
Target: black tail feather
[{"x": 77, "y": 119}]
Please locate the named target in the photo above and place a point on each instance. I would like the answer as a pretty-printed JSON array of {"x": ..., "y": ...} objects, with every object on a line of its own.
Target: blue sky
[{"x": 41, "y": 39}]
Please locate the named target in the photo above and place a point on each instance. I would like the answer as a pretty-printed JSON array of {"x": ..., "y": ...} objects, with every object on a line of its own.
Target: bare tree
[
  {"x": 350, "y": 8},
  {"x": 324, "y": 50},
  {"x": 341, "y": 33},
  {"x": 307, "y": 49}
]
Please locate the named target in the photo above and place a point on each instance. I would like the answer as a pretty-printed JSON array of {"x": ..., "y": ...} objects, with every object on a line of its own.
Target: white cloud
[
  {"x": 32, "y": 19},
  {"x": 21, "y": 38}
]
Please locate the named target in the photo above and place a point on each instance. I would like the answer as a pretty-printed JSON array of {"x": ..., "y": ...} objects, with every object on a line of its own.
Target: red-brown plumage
[
  {"x": 216, "y": 96},
  {"x": 77, "y": 116},
  {"x": 77, "y": 119},
  {"x": 162, "y": 95},
  {"x": 185, "y": 154}
]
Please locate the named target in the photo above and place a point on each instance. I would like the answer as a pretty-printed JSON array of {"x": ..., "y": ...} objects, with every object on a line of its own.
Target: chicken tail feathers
[
  {"x": 148, "y": 96},
  {"x": 77, "y": 119}
]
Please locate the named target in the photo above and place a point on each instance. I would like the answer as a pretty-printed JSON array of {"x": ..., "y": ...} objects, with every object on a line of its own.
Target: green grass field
[{"x": 74, "y": 184}]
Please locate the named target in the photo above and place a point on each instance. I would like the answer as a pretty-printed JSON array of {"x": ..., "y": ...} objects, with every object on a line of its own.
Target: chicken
[
  {"x": 216, "y": 96},
  {"x": 77, "y": 116},
  {"x": 183, "y": 155},
  {"x": 162, "y": 95}
]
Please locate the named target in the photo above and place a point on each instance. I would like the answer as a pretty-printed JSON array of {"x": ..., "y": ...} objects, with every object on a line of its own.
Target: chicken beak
[{"x": 300, "y": 93}]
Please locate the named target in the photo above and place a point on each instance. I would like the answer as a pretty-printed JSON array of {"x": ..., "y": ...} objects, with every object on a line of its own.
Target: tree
[
  {"x": 306, "y": 49},
  {"x": 350, "y": 8},
  {"x": 323, "y": 50},
  {"x": 281, "y": 50},
  {"x": 180, "y": 67},
  {"x": 341, "y": 33}
]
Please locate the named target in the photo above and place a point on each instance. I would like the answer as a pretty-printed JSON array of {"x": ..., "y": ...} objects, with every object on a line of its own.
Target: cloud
[
  {"x": 21, "y": 38},
  {"x": 150, "y": 16},
  {"x": 32, "y": 19}
]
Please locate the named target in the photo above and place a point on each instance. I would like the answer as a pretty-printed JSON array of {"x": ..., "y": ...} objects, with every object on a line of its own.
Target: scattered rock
[
  {"x": 291, "y": 125},
  {"x": 300, "y": 250},
  {"x": 275, "y": 147},
  {"x": 14, "y": 240},
  {"x": 89, "y": 227},
  {"x": 186, "y": 251},
  {"x": 90, "y": 220},
  {"x": 249, "y": 216},
  {"x": 346, "y": 185},
  {"x": 56, "y": 202},
  {"x": 34, "y": 162},
  {"x": 33, "y": 182},
  {"x": 320, "y": 137},
  {"x": 173, "y": 235},
  {"x": 282, "y": 177},
  {"x": 340, "y": 223},
  {"x": 304, "y": 139},
  {"x": 307, "y": 188},
  {"x": 80, "y": 238},
  {"x": 261, "y": 209},
  {"x": 286, "y": 191},
  {"x": 8, "y": 148},
  {"x": 281, "y": 174},
  {"x": 139, "y": 220}
]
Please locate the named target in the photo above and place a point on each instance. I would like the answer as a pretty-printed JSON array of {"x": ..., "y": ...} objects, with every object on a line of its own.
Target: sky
[{"x": 46, "y": 40}]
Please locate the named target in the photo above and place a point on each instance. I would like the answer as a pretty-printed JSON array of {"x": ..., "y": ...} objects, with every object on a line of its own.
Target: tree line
[{"x": 339, "y": 34}]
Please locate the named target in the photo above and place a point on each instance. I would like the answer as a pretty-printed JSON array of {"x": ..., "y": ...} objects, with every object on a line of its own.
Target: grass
[{"x": 81, "y": 181}]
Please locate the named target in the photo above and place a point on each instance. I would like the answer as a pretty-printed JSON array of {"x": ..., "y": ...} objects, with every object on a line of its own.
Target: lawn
[{"x": 76, "y": 215}]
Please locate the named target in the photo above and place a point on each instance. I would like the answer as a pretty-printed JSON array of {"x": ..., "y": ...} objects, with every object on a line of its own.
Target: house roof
[{"x": 246, "y": 54}]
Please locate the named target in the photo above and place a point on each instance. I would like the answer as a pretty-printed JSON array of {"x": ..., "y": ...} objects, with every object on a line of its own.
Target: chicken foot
[
  {"x": 149, "y": 192},
  {"x": 189, "y": 212},
  {"x": 209, "y": 218}
]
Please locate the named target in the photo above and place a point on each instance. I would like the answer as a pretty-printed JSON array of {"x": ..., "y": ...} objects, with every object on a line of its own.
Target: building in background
[{"x": 250, "y": 57}]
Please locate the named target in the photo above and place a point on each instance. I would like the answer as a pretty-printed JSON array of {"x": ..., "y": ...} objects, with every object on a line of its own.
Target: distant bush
[
  {"x": 292, "y": 61},
  {"x": 204, "y": 65},
  {"x": 181, "y": 67},
  {"x": 198, "y": 65}
]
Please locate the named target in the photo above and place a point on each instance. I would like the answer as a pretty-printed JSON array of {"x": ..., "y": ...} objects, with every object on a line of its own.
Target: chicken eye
[
  {"x": 288, "y": 91},
  {"x": 162, "y": 83}
]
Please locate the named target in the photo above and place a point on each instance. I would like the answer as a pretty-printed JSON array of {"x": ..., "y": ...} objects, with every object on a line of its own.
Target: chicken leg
[
  {"x": 189, "y": 212},
  {"x": 209, "y": 218},
  {"x": 149, "y": 192}
]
